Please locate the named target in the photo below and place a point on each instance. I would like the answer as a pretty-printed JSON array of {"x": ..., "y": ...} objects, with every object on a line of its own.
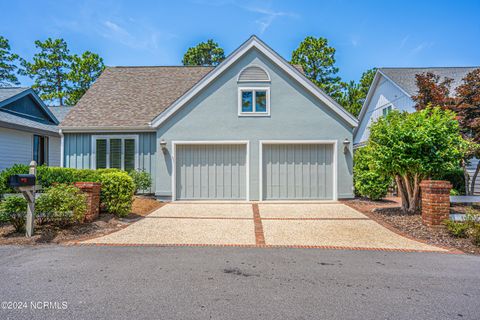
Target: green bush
[
  {"x": 117, "y": 192},
  {"x": 61, "y": 204},
  {"x": 15, "y": 208},
  {"x": 142, "y": 180},
  {"x": 456, "y": 177},
  {"x": 474, "y": 233},
  {"x": 368, "y": 182},
  {"x": 48, "y": 176},
  {"x": 457, "y": 229},
  {"x": 15, "y": 169}
]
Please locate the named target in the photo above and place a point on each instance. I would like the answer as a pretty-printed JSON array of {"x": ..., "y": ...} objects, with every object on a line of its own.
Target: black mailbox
[{"x": 21, "y": 180}]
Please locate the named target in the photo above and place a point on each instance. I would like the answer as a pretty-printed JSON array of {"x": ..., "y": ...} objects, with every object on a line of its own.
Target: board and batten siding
[{"x": 78, "y": 151}]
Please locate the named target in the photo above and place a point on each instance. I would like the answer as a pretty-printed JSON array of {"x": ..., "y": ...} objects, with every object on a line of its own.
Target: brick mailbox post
[
  {"x": 92, "y": 190},
  {"x": 435, "y": 202}
]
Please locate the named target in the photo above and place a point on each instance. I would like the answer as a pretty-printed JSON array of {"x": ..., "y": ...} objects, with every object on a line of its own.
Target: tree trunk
[
  {"x": 474, "y": 179},
  {"x": 402, "y": 192},
  {"x": 409, "y": 191},
  {"x": 466, "y": 177}
]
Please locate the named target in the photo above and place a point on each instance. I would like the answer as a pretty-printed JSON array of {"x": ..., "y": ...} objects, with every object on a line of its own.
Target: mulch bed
[
  {"x": 105, "y": 224},
  {"x": 387, "y": 211}
]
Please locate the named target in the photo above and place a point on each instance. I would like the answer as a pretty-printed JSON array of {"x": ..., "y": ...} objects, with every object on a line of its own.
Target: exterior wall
[
  {"x": 28, "y": 107},
  {"x": 78, "y": 147},
  {"x": 385, "y": 93},
  {"x": 295, "y": 115},
  {"x": 15, "y": 147}
]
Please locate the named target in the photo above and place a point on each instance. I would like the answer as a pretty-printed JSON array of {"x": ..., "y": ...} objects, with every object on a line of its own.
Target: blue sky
[{"x": 365, "y": 33}]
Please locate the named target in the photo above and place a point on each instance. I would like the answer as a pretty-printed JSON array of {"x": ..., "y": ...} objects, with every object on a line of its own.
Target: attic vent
[{"x": 253, "y": 74}]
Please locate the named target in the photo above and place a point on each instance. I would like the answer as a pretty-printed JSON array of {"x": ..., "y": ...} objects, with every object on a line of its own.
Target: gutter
[
  {"x": 107, "y": 129},
  {"x": 62, "y": 148}
]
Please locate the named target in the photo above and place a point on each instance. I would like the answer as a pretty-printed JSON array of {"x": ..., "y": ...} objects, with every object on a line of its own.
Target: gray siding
[
  {"x": 77, "y": 151},
  {"x": 211, "y": 172},
  {"x": 295, "y": 115},
  {"x": 303, "y": 171}
]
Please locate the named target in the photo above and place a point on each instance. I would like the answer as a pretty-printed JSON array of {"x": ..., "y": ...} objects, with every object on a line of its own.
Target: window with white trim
[
  {"x": 119, "y": 152},
  {"x": 387, "y": 110},
  {"x": 254, "y": 101}
]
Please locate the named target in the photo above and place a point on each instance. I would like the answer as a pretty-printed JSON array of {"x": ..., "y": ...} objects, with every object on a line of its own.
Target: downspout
[{"x": 62, "y": 140}]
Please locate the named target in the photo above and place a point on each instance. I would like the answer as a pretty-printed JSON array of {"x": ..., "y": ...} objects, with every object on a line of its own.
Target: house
[
  {"x": 252, "y": 128},
  {"x": 393, "y": 89},
  {"x": 28, "y": 128}
]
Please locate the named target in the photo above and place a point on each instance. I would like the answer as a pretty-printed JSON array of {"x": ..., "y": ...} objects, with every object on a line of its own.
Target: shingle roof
[
  {"x": 132, "y": 96},
  {"x": 405, "y": 77},
  {"x": 8, "y": 92},
  {"x": 18, "y": 122},
  {"x": 60, "y": 112}
]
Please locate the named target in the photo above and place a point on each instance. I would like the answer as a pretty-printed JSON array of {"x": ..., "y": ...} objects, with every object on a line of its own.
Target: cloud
[
  {"x": 422, "y": 46},
  {"x": 268, "y": 16},
  {"x": 404, "y": 41}
]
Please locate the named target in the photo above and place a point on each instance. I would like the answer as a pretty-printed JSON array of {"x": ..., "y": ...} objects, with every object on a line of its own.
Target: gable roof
[
  {"x": 254, "y": 42},
  {"x": 125, "y": 97},
  {"x": 11, "y": 94},
  {"x": 404, "y": 79},
  {"x": 141, "y": 98},
  {"x": 60, "y": 112}
]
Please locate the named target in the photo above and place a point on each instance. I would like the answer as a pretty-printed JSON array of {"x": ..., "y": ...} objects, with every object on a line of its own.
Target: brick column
[
  {"x": 92, "y": 190},
  {"x": 435, "y": 201}
]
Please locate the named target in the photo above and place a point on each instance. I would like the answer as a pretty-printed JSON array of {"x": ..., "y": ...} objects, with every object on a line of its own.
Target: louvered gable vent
[{"x": 253, "y": 74}]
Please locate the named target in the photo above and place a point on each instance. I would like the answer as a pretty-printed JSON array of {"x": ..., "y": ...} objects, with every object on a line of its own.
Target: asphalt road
[{"x": 235, "y": 283}]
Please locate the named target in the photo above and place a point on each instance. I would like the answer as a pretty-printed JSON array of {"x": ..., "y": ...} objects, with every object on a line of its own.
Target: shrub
[
  {"x": 142, "y": 180},
  {"x": 15, "y": 169},
  {"x": 49, "y": 176},
  {"x": 456, "y": 177},
  {"x": 117, "y": 192},
  {"x": 15, "y": 208},
  {"x": 61, "y": 204},
  {"x": 474, "y": 233},
  {"x": 368, "y": 182},
  {"x": 457, "y": 229}
]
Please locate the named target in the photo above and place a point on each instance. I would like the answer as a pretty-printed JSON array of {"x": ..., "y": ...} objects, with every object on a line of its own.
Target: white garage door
[
  {"x": 297, "y": 171},
  {"x": 210, "y": 172}
]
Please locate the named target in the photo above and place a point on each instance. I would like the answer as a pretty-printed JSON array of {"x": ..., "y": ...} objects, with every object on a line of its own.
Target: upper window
[
  {"x": 119, "y": 152},
  {"x": 40, "y": 149},
  {"x": 254, "y": 101},
  {"x": 387, "y": 110},
  {"x": 253, "y": 74}
]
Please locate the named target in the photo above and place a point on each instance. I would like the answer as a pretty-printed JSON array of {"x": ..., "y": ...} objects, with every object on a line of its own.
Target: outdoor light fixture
[
  {"x": 346, "y": 143},
  {"x": 163, "y": 145}
]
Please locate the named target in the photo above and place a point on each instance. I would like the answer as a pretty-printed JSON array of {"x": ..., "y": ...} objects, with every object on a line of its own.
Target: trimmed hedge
[{"x": 117, "y": 192}]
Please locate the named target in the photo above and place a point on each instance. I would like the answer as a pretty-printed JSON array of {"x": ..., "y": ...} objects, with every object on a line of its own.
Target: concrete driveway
[{"x": 323, "y": 225}]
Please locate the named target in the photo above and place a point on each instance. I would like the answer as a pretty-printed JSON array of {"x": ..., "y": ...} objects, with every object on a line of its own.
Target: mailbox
[{"x": 21, "y": 180}]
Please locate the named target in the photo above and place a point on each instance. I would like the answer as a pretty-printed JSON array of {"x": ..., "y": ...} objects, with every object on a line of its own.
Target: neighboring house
[
  {"x": 28, "y": 129},
  {"x": 393, "y": 89},
  {"x": 254, "y": 127}
]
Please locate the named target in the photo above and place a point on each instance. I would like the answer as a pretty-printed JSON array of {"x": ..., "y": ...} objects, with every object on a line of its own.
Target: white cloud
[
  {"x": 419, "y": 48},
  {"x": 268, "y": 16},
  {"x": 404, "y": 41}
]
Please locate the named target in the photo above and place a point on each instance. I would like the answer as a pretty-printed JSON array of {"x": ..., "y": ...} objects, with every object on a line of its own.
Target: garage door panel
[
  {"x": 210, "y": 171},
  {"x": 297, "y": 171}
]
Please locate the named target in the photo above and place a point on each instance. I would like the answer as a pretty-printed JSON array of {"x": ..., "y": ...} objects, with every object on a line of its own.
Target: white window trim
[
  {"x": 210, "y": 142},
  {"x": 250, "y": 66},
  {"x": 385, "y": 108},
  {"x": 327, "y": 142},
  {"x": 253, "y": 113},
  {"x": 114, "y": 136}
]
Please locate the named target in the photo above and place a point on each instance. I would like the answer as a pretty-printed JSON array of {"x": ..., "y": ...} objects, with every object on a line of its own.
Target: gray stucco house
[
  {"x": 28, "y": 128},
  {"x": 252, "y": 128},
  {"x": 393, "y": 89}
]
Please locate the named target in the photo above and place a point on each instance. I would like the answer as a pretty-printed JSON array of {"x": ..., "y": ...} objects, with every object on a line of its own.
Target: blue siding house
[
  {"x": 252, "y": 128},
  {"x": 28, "y": 129}
]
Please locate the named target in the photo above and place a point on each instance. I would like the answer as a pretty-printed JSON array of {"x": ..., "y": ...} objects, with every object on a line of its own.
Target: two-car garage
[{"x": 288, "y": 170}]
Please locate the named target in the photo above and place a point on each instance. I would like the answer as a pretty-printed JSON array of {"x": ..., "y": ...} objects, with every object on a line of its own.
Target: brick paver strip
[
  {"x": 198, "y": 218},
  {"x": 259, "y": 236}
]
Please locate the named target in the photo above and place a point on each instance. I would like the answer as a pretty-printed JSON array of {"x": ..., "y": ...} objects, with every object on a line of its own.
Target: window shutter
[
  {"x": 101, "y": 154},
  {"x": 129, "y": 154},
  {"x": 116, "y": 153}
]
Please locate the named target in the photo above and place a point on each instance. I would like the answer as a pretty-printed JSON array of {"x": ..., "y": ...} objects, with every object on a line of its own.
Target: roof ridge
[
  {"x": 169, "y": 66},
  {"x": 449, "y": 67}
]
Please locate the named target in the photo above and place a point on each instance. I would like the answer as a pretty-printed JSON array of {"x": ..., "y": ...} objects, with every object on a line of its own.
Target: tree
[
  {"x": 7, "y": 65},
  {"x": 432, "y": 91},
  {"x": 353, "y": 94},
  {"x": 352, "y": 98},
  {"x": 50, "y": 69},
  {"x": 204, "y": 54},
  {"x": 410, "y": 147},
  {"x": 317, "y": 59},
  {"x": 467, "y": 107},
  {"x": 85, "y": 69},
  {"x": 369, "y": 182}
]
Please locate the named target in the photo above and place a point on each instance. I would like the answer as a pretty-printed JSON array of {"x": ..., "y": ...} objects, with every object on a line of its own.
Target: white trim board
[
  {"x": 296, "y": 142},
  {"x": 254, "y": 42},
  {"x": 209, "y": 142},
  {"x": 253, "y": 113},
  {"x": 93, "y": 156}
]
